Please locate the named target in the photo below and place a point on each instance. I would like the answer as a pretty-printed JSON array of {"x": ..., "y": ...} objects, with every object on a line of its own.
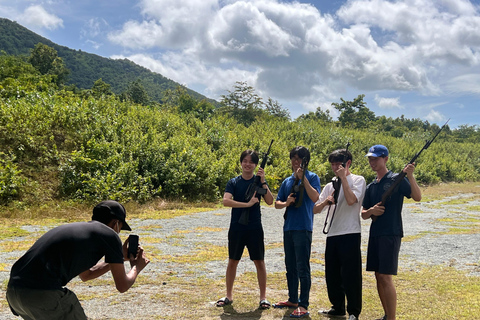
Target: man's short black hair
[
  {"x": 340, "y": 155},
  {"x": 301, "y": 152},
  {"x": 253, "y": 155}
]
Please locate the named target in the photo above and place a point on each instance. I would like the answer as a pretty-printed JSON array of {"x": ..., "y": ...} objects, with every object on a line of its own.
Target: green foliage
[
  {"x": 354, "y": 113},
  {"x": 11, "y": 181},
  {"x": 91, "y": 146},
  {"x": 46, "y": 60},
  {"x": 245, "y": 106},
  {"x": 86, "y": 68}
]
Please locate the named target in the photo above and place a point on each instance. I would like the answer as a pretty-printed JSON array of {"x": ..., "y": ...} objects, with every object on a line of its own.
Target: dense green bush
[
  {"x": 99, "y": 147},
  {"x": 11, "y": 181}
]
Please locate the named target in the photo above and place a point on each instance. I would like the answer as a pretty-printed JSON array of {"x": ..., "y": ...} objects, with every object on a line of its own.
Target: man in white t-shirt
[{"x": 343, "y": 259}]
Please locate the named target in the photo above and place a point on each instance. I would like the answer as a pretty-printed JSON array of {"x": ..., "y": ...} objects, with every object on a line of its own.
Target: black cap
[{"x": 115, "y": 209}]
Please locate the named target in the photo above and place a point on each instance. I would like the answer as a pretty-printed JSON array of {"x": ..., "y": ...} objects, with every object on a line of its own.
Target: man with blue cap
[{"x": 386, "y": 229}]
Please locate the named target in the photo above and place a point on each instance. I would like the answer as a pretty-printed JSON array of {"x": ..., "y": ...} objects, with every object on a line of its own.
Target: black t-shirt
[
  {"x": 390, "y": 222},
  {"x": 63, "y": 253},
  {"x": 238, "y": 187}
]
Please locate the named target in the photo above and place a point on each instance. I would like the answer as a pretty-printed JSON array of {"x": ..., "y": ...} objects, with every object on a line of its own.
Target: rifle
[
  {"x": 337, "y": 184},
  {"x": 387, "y": 194},
  {"x": 298, "y": 188},
  {"x": 255, "y": 186}
]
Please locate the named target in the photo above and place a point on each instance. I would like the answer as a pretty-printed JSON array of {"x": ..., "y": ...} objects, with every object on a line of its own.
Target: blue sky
[{"x": 418, "y": 58}]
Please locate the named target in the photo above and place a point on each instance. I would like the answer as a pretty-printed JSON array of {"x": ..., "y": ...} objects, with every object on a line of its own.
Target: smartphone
[{"x": 132, "y": 245}]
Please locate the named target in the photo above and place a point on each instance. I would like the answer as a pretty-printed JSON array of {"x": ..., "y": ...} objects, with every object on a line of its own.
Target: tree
[
  {"x": 137, "y": 93},
  {"x": 354, "y": 113},
  {"x": 46, "y": 60},
  {"x": 101, "y": 88},
  {"x": 243, "y": 104},
  {"x": 274, "y": 108}
]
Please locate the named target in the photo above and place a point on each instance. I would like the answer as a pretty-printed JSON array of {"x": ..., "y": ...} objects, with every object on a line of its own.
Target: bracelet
[{"x": 264, "y": 183}]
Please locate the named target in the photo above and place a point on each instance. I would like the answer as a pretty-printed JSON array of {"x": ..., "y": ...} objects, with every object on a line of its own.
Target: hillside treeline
[{"x": 86, "y": 145}]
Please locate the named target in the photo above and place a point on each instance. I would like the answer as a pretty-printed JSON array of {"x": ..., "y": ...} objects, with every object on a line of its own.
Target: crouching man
[{"x": 36, "y": 289}]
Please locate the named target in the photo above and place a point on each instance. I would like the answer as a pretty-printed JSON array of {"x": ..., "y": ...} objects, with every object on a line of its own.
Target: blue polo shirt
[
  {"x": 299, "y": 218},
  {"x": 390, "y": 222}
]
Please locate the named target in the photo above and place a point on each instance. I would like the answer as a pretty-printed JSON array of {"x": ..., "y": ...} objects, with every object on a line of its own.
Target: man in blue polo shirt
[
  {"x": 297, "y": 230},
  {"x": 386, "y": 230}
]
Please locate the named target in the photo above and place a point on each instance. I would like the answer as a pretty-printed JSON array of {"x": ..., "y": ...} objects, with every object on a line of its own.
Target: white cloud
[
  {"x": 435, "y": 116},
  {"x": 388, "y": 103},
  {"x": 93, "y": 27},
  {"x": 290, "y": 51},
  {"x": 467, "y": 83},
  {"x": 37, "y": 16}
]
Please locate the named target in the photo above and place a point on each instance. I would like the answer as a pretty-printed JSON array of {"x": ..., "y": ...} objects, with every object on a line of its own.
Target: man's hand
[
  {"x": 409, "y": 169},
  {"x": 140, "y": 261},
  {"x": 330, "y": 200},
  {"x": 299, "y": 173},
  {"x": 261, "y": 174},
  {"x": 290, "y": 200},
  {"x": 253, "y": 200},
  {"x": 377, "y": 210},
  {"x": 341, "y": 173}
]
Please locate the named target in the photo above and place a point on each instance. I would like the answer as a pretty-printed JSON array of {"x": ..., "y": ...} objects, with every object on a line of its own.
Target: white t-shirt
[{"x": 347, "y": 218}]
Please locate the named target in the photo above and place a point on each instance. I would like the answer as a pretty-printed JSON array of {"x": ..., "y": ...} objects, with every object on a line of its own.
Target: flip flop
[
  {"x": 284, "y": 304},
  {"x": 223, "y": 302},
  {"x": 300, "y": 314},
  {"x": 264, "y": 304}
]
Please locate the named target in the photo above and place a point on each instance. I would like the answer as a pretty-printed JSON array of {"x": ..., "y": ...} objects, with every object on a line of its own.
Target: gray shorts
[{"x": 45, "y": 304}]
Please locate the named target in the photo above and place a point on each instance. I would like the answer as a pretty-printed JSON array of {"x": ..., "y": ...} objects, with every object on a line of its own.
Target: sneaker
[
  {"x": 382, "y": 318},
  {"x": 352, "y": 317},
  {"x": 331, "y": 313}
]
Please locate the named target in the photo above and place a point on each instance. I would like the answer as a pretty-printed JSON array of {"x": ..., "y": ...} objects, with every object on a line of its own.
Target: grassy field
[{"x": 441, "y": 292}]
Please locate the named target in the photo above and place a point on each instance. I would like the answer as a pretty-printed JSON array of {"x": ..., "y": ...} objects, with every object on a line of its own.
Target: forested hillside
[
  {"x": 59, "y": 144},
  {"x": 85, "y": 68}
]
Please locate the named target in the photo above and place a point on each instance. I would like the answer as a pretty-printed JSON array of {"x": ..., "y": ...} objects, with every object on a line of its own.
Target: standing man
[
  {"x": 297, "y": 230},
  {"x": 343, "y": 258},
  {"x": 36, "y": 289},
  {"x": 386, "y": 230},
  {"x": 249, "y": 235}
]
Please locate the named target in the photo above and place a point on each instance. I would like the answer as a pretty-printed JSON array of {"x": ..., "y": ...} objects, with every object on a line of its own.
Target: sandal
[
  {"x": 264, "y": 304},
  {"x": 223, "y": 302},
  {"x": 299, "y": 314}
]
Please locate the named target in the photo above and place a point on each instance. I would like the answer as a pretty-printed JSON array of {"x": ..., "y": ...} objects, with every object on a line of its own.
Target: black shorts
[
  {"x": 382, "y": 254},
  {"x": 252, "y": 239}
]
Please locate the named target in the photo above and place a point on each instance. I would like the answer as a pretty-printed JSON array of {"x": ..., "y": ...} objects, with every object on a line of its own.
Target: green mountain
[{"x": 85, "y": 68}]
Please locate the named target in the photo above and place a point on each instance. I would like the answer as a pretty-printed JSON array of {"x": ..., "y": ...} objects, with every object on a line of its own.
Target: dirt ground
[{"x": 428, "y": 241}]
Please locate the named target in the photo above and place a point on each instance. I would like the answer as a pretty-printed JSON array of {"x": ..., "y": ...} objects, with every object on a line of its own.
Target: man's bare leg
[{"x": 388, "y": 294}]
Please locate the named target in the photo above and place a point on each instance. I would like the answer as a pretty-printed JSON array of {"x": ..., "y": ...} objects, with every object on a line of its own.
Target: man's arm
[
  {"x": 229, "y": 202},
  {"x": 96, "y": 271},
  {"x": 376, "y": 210},
  {"x": 416, "y": 193},
  {"x": 123, "y": 281},
  {"x": 311, "y": 191},
  {"x": 268, "y": 197},
  {"x": 350, "y": 197}
]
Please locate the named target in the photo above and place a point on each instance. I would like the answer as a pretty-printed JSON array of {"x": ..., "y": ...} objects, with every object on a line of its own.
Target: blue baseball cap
[{"x": 377, "y": 151}]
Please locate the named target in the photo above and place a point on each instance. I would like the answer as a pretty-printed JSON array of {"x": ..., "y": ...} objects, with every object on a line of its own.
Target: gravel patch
[{"x": 428, "y": 241}]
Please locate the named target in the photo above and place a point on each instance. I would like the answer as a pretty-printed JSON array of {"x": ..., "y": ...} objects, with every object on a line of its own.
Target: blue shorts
[
  {"x": 382, "y": 254},
  {"x": 252, "y": 239}
]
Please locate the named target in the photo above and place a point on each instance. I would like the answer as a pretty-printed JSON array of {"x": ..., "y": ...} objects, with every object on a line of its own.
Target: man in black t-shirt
[
  {"x": 386, "y": 229},
  {"x": 249, "y": 235},
  {"x": 36, "y": 289}
]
